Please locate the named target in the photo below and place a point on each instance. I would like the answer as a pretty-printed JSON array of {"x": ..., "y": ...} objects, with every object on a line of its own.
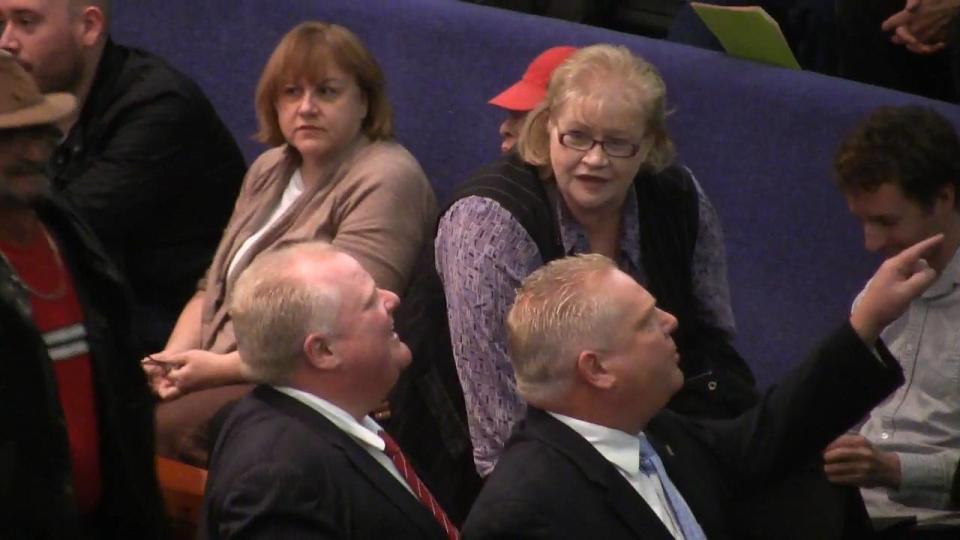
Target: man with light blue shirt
[
  {"x": 598, "y": 456},
  {"x": 300, "y": 456},
  {"x": 900, "y": 171}
]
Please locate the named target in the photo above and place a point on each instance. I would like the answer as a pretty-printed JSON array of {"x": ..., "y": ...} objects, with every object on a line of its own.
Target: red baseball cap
[{"x": 527, "y": 93}]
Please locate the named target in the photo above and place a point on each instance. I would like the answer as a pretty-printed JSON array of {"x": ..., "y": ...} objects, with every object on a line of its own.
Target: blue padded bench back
[{"x": 759, "y": 139}]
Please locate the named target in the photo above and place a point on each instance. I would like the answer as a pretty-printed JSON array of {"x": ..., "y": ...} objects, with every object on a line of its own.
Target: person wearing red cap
[{"x": 524, "y": 95}]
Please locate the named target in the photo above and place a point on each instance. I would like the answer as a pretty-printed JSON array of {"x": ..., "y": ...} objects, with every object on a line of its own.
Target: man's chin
[
  {"x": 680, "y": 380},
  {"x": 404, "y": 357}
]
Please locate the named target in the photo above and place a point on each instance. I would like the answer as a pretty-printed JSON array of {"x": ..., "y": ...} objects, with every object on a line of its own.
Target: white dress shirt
[{"x": 364, "y": 432}]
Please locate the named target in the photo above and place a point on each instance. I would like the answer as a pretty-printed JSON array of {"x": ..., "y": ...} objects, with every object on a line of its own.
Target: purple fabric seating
[{"x": 759, "y": 139}]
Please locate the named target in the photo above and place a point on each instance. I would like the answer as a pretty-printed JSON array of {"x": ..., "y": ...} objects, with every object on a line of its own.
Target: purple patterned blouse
[{"x": 483, "y": 254}]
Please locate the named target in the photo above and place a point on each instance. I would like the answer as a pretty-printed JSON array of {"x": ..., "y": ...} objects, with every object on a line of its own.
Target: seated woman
[
  {"x": 334, "y": 175},
  {"x": 594, "y": 172}
]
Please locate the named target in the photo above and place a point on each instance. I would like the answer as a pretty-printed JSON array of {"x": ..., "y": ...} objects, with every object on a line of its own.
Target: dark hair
[{"x": 913, "y": 147}]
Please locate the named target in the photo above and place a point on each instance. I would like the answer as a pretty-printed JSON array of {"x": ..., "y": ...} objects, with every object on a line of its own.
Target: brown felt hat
[{"x": 22, "y": 104}]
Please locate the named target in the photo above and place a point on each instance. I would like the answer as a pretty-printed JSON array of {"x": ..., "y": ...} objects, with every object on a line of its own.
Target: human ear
[
  {"x": 947, "y": 196},
  {"x": 92, "y": 26},
  {"x": 317, "y": 350},
  {"x": 590, "y": 370}
]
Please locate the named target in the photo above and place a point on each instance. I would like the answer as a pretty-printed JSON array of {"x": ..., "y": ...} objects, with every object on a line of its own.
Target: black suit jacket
[
  {"x": 551, "y": 483},
  {"x": 281, "y": 470}
]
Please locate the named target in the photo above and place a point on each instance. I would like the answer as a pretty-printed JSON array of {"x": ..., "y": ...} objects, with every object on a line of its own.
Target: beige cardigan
[{"x": 376, "y": 205}]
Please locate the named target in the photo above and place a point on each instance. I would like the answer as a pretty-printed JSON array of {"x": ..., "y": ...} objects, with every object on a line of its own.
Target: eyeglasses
[{"x": 616, "y": 148}]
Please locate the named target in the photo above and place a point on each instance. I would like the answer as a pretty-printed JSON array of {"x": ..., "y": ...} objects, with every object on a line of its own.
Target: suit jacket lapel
[
  {"x": 699, "y": 488},
  {"x": 368, "y": 467},
  {"x": 620, "y": 496}
]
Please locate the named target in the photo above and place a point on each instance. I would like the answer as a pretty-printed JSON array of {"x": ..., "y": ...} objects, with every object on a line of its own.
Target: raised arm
[{"x": 845, "y": 377}]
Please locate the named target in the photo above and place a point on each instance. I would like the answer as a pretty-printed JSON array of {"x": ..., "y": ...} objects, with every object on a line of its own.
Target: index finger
[
  {"x": 908, "y": 258},
  {"x": 847, "y": 439},
  {"x": 906, "y": 36},
  {"x": 156, "y": 366},
  {"x": 899, "y": 18},
  {"x": 842, "y": 455}
]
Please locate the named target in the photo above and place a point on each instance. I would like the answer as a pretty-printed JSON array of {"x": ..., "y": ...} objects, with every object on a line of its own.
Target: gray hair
[{"x": 274, "y": 309}]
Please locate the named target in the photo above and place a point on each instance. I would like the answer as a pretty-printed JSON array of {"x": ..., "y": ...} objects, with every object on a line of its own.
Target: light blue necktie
[{"x": 650, "y": 464}]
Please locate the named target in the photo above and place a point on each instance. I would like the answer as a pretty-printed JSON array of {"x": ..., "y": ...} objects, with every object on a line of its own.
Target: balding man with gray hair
[
  {"x": 300, "y": 457},
  {"x": 598, "y": 456}
]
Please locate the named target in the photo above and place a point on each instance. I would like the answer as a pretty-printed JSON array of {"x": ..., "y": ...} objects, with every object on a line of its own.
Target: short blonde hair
[
  {"x": 306, "y": 51},
  {"x": 274, "y": 309},
  {"x": 640, "y": 87},
  {"x": 560, "y": 309}
]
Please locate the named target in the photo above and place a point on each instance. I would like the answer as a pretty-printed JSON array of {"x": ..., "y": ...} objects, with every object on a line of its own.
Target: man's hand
[
  {"x": 922, "y": 25},
  {"x": 852, "y": 461},
  {"x": 898, "y": 281}
]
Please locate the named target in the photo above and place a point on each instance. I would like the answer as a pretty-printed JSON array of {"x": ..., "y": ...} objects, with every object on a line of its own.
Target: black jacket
[
  {"x": 35, "y": 476},
  {"x": 429, "y": 416},
  {"x": 153, "y": 170},
  {"x": 282, "y": 470},
  {"x": 551, "y": 483}
]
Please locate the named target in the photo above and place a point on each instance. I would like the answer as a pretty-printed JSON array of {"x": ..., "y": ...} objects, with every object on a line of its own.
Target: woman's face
[
  {"x": 321, "y": 118},
  {"x": 592, "y": 181}
]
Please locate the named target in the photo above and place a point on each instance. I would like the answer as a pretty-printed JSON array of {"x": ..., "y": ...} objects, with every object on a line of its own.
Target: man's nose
[
  {"x": 390, "y": 300},
  {"x": 668, "y": 321},
  {"x": 8, "y": 41},
  {"x": 873, "y": 240}
]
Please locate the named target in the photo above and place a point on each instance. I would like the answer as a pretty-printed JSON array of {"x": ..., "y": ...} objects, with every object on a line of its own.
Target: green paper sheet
[{"x": 748, "y": 32}]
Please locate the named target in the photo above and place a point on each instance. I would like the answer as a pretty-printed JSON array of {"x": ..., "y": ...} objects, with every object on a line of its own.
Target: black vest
[{"x": 427, "y": 403}]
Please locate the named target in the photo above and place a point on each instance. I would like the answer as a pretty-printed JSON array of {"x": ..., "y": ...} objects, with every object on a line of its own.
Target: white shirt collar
[
  {"x": 618, "y": 447},
  {"x": 947, "y": 280},
  {"x": 365, "y": 432}
]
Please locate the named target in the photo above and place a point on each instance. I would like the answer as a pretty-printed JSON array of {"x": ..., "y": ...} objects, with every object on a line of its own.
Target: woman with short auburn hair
[
  {"x": 307, "y": 50},
  {"x": 333, "y": 174}
]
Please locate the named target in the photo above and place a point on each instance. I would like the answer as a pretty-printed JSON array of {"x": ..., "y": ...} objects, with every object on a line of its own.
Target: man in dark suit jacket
[
  {"x": 299, "y": 457},
  {"x": 594, "y": 360}
]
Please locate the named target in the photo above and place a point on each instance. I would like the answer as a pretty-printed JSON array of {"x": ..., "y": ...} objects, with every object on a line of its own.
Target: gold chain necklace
[{"x": 55, "y": 294}]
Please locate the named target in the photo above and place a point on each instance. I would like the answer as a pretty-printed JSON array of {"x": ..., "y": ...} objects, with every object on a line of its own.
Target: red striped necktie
[{"x": 393, "y": 452}]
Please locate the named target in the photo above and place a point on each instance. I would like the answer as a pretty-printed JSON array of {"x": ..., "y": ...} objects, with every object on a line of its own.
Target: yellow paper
[{"x": 747, "y": 32}]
